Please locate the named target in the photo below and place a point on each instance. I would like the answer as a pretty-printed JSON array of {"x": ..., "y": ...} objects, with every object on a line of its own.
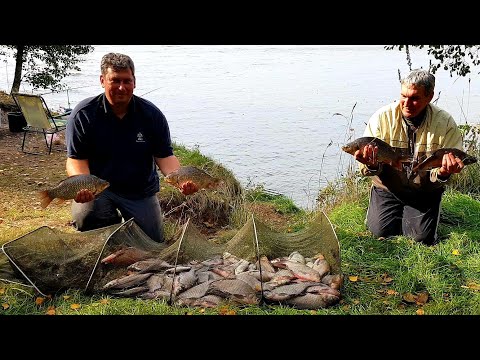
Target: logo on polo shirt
[{"x": 140, "y": 137}]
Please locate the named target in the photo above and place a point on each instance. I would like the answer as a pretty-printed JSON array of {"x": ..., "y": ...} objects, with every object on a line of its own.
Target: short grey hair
[
  {"x": 420, "y": 77},
  {"x": 117, "y": 62}
]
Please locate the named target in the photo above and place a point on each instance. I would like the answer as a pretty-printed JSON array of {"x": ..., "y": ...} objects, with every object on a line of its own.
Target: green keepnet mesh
[{"x": 52, "y": 261}]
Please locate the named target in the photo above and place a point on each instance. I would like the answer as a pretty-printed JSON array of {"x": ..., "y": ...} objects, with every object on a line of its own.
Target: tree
[
  {"x": 44, "y": 66},
  {"x": 456, "y": 59}
]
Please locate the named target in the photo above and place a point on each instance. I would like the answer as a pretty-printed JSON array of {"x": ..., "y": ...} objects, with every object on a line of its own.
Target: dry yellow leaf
[
  {"x": 51, "y": 310},
  {"x": 421, "y": 298},
  {"x": 66, "y": 297},
  {"x": 5, "y": 306},
  {"x": 75, "y": 306},
  {"x": 2, "y": 291},
  {"x": 223, "y": 310},
  {"x": 202, "y": 310},
  {"x": 420, "y": 311},
  {"x": 455, "y": 252},
  {"x": 353, "y": 278},
  {"x": 231, "y": 312},
  {"x": 391, "y": 292},
  {"x": 104, "y": 301},
  {"x": 471, "y": 286},
  {"x": 39, "y": 300},
  {"x": 409, "y": 297}
]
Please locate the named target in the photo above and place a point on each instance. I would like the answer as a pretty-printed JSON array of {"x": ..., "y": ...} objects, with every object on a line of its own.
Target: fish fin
[
  {"x": 109, "y": 259},
  {"x": 45, "y": 198}
]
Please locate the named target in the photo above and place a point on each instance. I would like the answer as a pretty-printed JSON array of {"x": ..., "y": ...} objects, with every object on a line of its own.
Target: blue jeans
[{"x": 109, "y": 208}]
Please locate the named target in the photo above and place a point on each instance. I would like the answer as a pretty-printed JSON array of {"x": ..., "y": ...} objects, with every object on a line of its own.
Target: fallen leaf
[
  {"x": 420, "y": 311},
  {"x": 471, "y": 286},
  {"x": 353, "y": 278},
  {"x": 223, "y": 310},
  {"x": 104, "y": 301},
  {"x": 5, "y": 306},
  {"x": 421, "y": 298},
  {"x": 66, "y": 297},
  {"x": 409, "y": 297},
  {"x": 75, "y": 306},
  {"x": 39, "y": 300},
  {"x": 455, "y": 252},
  {"x": 391, "y": 292},
  {"x": 51, "y": 310},
  {"x": 386, "y": 279},
  {"x": 2, "y": 291}
]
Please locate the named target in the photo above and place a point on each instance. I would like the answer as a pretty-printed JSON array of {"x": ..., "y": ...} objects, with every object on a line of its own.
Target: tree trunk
[{"x": 18, "y": 69}]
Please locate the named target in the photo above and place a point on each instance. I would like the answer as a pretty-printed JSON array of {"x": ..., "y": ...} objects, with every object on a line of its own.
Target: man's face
[
  {"x": 118, "y": 86},
  {"x": 413, "y": 100}
]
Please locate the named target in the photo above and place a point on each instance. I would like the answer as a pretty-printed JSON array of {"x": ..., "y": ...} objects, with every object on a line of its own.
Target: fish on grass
[
  {"x": 69, "y": 187},
  {"x": 436, "y": 158},
  {"x": 386, "y": 153},
  {"x": 199, "y": 177}
]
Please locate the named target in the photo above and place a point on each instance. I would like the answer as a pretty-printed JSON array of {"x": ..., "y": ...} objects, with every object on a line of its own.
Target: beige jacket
[{"x": 438, "y": 130}]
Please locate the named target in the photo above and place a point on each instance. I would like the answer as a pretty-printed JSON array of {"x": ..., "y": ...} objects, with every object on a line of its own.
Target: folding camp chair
[{"x": 39, "y": 118}]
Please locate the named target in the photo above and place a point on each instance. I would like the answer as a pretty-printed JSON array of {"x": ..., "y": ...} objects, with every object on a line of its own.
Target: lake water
[{"x": 274, "y": 115}]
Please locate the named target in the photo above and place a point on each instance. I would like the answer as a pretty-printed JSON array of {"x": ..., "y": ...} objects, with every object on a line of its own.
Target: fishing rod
[
  {"x": 148, "y": 92},
  {"x": 67, "y": 89}
]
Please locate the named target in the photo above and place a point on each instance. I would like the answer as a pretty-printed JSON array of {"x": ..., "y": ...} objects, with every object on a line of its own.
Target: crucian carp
[
  {"x": 436, "y": 158},
  {"x": 69, "y": 187},
  {"x": 199, "y": 177},
  {"x": 386, "y": 153}
]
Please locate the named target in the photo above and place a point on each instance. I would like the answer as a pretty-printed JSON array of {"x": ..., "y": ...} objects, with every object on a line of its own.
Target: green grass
[{"x": 395, "y": 276}]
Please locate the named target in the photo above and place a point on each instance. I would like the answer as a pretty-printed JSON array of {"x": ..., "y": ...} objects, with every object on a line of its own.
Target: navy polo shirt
[{"x": 120, "y": 151}]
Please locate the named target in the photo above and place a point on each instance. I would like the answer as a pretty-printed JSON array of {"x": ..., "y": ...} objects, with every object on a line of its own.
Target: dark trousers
[
  {"x": 109, "y": 208},
  {"x": 416, "y": 216}
]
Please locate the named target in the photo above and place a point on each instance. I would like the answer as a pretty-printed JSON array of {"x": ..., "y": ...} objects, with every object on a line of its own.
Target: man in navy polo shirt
[{"x": 121, "y": 138}]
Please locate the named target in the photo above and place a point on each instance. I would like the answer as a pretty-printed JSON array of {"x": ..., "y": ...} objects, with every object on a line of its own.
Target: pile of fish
[{"x": 303, "y": 283}]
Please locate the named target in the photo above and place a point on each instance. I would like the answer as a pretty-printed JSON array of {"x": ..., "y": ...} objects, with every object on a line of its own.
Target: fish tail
[{"x": 45, "y": 198}]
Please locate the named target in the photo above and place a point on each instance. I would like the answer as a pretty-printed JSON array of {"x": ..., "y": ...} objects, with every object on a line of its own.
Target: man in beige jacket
[{"x": 403, "y": 202}]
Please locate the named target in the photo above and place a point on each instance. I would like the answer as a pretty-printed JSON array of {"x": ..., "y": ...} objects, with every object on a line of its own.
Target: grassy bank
[{"x": 382, "y": 277}]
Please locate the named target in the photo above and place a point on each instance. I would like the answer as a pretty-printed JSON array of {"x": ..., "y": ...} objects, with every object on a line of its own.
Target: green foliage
[
  {"x": 282, "y": 204},
  {"x": 468, "y": 180},
  {"x": 44, "y": 66},
  {"x": 456, "y": 59}
]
